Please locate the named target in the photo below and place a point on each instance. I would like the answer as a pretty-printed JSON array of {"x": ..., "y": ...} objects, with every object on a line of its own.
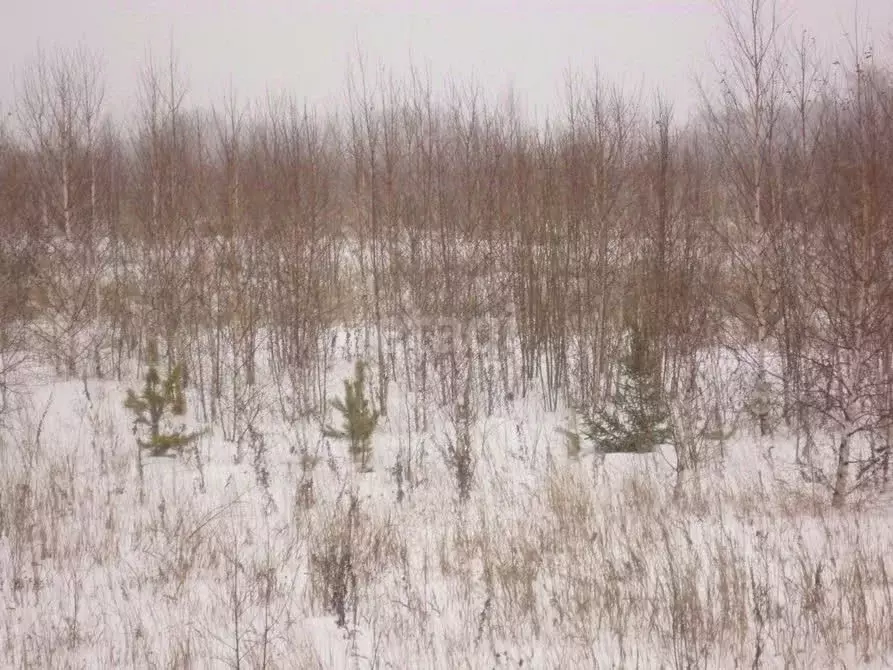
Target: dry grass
[{"x": 573, "y": 567}]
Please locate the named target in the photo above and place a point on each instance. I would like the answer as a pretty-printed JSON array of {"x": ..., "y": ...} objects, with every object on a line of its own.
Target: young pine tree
[
  {"x": 636, "y": 419},
  {"x": 359, "y": 419},
  {"x": 159, "y": 399}
]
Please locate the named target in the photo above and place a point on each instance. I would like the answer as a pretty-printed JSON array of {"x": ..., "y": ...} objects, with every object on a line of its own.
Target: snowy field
[{"x": 270, "y": 549}]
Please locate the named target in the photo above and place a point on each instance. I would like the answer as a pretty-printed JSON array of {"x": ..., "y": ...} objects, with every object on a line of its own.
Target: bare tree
[
  {"x": 60, "y": 108},
  {"x": 365, "y": 122},
  {"x": 744, "y": 124},
  {"x": 800, "y": 201},
  {"x": 161, "y": 184},
  {"x": 848, "y": 286}
]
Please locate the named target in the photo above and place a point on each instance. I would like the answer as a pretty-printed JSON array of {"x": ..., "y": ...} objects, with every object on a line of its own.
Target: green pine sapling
[
  {"x": 160, "y": 398},
  {"x": 637, "y": 419},
  {"x": 359, "y": 418}
]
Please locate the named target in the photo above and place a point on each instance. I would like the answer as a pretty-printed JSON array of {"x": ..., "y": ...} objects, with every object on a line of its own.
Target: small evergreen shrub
[
  {"x": 636, "y": 420},
  {"x": 160, "y": 400},
  {"x": 359, "y": 419}
]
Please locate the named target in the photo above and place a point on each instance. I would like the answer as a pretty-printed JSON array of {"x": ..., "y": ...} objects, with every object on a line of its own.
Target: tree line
[{"x": 239, "y": 236}]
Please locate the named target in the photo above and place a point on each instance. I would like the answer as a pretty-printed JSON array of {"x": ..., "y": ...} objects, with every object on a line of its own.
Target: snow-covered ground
[{"x": 275, "y": 552}]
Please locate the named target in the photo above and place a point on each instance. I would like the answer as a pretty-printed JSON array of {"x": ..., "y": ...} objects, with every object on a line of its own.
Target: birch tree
[{"x": 743, "y": 124}]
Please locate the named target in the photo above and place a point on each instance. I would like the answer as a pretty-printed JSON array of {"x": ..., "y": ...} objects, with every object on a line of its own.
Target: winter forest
[{"x": 426, "y": 384}]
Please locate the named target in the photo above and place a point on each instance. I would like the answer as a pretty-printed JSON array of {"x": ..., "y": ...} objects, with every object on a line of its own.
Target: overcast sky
[{"x": 304, "y": 46}]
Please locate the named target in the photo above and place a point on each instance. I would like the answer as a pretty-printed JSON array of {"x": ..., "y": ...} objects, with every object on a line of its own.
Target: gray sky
[{"x": 304, "y": 46}]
